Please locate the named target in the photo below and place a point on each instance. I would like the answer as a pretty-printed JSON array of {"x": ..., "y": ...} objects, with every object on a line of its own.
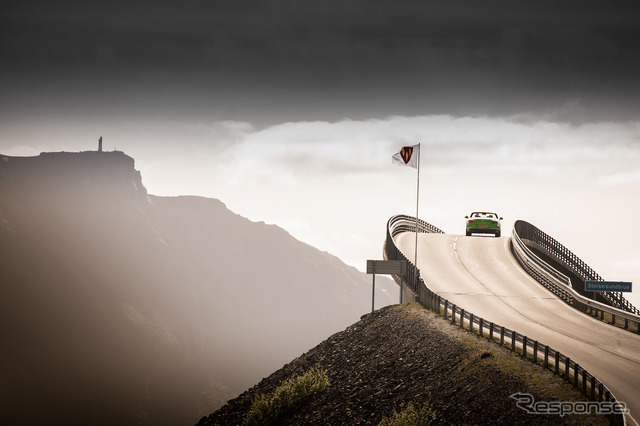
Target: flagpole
[
  {"x": 415, "y": 274},
  {"x": 406, "y": 158}
]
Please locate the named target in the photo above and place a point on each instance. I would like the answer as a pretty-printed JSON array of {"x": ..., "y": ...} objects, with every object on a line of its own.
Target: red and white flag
[{"x": 408, "y": 156}]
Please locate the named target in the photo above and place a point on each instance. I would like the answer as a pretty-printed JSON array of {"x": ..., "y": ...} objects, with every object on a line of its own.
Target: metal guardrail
[
  {"x": 397, "y": 225},
  {"x": 560, "y": 284},
  {"x": 534, "y": 237},
  {"x": 531, "y": 349}
]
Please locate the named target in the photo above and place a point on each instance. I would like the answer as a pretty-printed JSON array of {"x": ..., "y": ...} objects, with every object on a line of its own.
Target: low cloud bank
[{"x": 332, "y": 184}]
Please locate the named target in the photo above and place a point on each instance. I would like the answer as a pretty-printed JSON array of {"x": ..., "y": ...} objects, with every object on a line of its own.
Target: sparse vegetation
[
  {"x": 487, "y": 353},
  {"x": 265, "y": 409},
  {"x": 411, "y": 416}
]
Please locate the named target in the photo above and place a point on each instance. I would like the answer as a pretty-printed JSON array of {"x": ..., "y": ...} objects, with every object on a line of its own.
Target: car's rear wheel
[
  {"x": 498, "y": 234},
  {"x": 468, "y": 234}
]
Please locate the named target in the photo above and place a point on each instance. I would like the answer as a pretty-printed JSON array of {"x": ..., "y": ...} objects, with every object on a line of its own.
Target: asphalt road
[{"x": 481, "y": 275}]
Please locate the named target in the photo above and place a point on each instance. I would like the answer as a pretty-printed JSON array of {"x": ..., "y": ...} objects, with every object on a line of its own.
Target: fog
[
  {"x": 129, "y": 308},
  {"x": 332, "y": 184}
]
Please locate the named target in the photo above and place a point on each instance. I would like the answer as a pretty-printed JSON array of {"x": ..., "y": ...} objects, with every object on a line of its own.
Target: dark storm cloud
[{"x": 406, "y": 57}]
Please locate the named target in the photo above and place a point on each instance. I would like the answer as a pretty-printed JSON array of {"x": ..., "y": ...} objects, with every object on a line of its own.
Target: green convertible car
[{"x": 483, "y": 223}]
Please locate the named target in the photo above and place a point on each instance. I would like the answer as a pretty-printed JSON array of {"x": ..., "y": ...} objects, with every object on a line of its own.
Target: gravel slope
[{"x": 403, "y": 354}]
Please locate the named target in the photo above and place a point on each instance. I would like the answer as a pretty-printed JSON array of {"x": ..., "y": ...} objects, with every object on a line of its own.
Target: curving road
[{"x": 481, "y": 275}]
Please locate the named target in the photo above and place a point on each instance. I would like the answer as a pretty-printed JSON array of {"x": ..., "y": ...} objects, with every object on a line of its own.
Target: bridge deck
[{"x": 480, "y": 275}]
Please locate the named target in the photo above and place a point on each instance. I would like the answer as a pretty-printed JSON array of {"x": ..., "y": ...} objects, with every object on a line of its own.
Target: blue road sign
[{"x": 607, "y": 286}]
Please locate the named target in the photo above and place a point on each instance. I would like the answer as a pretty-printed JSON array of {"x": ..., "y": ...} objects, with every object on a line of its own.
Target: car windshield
[{"x": 484, "y": 215}]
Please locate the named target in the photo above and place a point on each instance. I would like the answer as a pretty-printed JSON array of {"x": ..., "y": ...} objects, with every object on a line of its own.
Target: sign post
[
  {"x": 607, "y": 286},
  {"x": 391, "y": 267}
]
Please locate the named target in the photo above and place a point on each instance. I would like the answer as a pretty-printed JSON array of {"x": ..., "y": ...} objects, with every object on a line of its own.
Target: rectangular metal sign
[
  {"x": 394, "y": 267},
  {"x": 607, "y": 286}
]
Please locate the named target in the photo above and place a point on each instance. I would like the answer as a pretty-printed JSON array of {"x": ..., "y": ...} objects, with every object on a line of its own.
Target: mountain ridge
[{"x": 164, "y": 306}]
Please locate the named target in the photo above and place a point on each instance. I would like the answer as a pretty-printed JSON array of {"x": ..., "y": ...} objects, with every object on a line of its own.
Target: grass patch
[
  {"x": 533, "y": 375},
  {"x": 411, "y": 416},
  {"x": 266, "y": 409}
]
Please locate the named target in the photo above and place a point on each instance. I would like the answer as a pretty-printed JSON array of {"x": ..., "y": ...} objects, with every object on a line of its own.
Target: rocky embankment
[{"x": 404, "y": 355}]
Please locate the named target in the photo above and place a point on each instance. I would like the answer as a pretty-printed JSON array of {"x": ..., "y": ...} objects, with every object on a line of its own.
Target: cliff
[{"x": 120, "y": 307}]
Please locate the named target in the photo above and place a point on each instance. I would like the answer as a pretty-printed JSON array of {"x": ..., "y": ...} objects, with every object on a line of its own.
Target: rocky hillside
[
  {"x": 403, "y": 355},
  {"x": 120, "y": 307}
]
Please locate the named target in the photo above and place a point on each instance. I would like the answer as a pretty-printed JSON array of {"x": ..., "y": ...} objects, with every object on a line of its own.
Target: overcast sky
[{"x": 290, "y": 111}]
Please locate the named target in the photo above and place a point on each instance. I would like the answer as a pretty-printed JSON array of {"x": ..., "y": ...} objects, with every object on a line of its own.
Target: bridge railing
[
  {"x": 533, "y": 237},
  {"x": 397, "y": 225},
  {"x": 531, "y": 349},
  {"x": 534, "y": 351},
  {"x": 525, "y": 236}
]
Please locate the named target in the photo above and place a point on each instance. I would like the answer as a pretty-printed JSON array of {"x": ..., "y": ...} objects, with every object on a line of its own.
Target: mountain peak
[
  {"x": 105, "y": 175},
  {"x": 157, "y": 308}
]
